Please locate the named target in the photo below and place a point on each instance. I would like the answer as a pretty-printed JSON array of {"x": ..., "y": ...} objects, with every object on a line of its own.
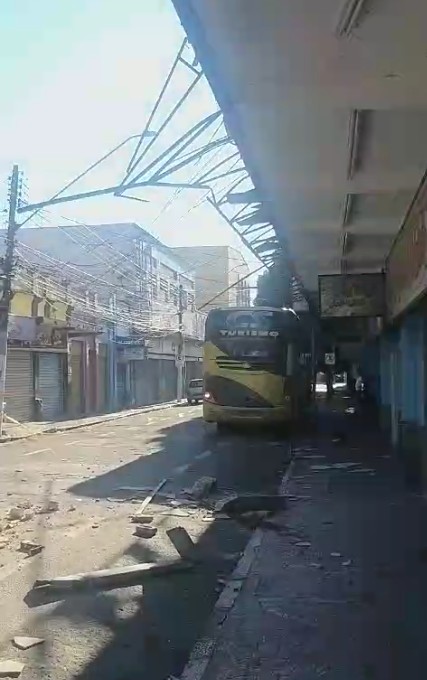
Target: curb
[
  {"x": 52, "y": 429},
  {"x": 204, "y": 648}
]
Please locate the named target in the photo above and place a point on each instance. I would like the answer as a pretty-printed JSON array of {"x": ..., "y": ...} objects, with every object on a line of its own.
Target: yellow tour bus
[{"x": 251, "y": 367}]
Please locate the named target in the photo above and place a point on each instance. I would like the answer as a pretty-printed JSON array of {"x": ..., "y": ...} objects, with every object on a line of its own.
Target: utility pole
[
  {"x": 180, "y": 355},
  {"x": 7, "y": 263}
]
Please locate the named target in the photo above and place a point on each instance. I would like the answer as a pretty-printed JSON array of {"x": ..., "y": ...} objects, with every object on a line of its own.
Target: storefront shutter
[
  {"x": 51, "y": 385},
  {"x": 19, "y": 385}
]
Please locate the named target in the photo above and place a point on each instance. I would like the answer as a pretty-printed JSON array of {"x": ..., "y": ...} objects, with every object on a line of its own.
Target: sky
[{"x": 79, "y": 76}]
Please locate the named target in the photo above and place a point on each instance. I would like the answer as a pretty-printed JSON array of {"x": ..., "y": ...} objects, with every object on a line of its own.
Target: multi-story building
[
  {"x": 218, "y": 272},
  {"x": 130, "y": 288}
]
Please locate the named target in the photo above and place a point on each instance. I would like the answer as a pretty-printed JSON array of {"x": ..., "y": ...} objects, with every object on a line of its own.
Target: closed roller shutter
[
  {"x": 145, "y": 382},
  {"x": 19, "y": 385},
  {"x": 51, "y": 384},
  {"x": 76, "y": 399},
  {"x": 168, "y": 380}
]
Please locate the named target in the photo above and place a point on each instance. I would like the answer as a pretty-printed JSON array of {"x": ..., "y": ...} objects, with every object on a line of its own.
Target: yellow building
[{"x": 36, "y": 369}]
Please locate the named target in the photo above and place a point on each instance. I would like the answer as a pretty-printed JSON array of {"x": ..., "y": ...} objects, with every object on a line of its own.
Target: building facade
[
  {"x": 37, "y": 358},
  {"x": 120, "y": 304},
  {"x": 218, "y": 273}
]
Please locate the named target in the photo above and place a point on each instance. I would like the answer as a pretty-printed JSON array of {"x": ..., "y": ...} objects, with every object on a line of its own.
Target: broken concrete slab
[
  {"x": 25, "y": 505},
  {"x": 182, "y": 542},
  {"x": 145, "y": 531},
  {"x": 202, "y": 487},
  {"x": 30, "y": 548},
  {"x": 114, "y": 578},
  {"x": 24, "y": 642},
  {"x": 141, "y": 519},
  {"x": 15, "y": 514},
  {"x": 50, "y": 506},
  {"x": 11, "y": 669},
  {"x": 254, "y": 502}
]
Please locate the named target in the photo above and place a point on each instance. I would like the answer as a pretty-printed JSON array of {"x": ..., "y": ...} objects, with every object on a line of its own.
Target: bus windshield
[{"x": 250, "y": 335}]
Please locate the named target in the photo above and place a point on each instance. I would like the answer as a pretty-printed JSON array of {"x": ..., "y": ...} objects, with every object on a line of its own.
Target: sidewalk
[
  {"x": 26, "y": 430},
  {"x": 339, "y": 589}
]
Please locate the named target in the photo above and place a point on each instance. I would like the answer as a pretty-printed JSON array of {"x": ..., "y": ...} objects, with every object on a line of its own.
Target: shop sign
[
  {"x": 22, "y": 330},
  {"x": 351, "y": 295},
  {"x": 406, "y": 267},
  {"x": 51, "y": 337},
  {"x": 134, "y": 353}
]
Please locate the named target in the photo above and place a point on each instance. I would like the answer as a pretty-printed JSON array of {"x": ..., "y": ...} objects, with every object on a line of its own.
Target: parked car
[{"x": 195, "y": 391}]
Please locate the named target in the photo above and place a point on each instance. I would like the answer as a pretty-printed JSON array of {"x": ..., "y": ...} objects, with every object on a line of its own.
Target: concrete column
[
  {"x": 413, "y": 390},
  {"x": 386, "y": 346},
  {"x": 412, "y": 369}
]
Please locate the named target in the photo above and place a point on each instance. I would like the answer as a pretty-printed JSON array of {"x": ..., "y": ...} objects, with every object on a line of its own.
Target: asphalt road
[{"x": 140, "y": 631}]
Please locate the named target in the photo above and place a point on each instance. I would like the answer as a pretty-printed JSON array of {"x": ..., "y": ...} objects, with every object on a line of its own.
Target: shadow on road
[
  {"x": 154, "y": 638},
  {"x": 241, "y": 460}
]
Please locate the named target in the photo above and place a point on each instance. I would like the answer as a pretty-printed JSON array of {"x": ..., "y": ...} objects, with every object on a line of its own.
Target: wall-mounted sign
[
  {"x": 134, "y": 353},
  {"x": 49, "y": 336},
  {"x": 406, "y": 266},
  {"x": 330, "y": 358},
  {"x": 351, "y": 295}
]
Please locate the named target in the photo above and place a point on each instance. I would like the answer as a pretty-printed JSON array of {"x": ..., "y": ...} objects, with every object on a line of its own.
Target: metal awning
[{"x": 328, "y": 106}]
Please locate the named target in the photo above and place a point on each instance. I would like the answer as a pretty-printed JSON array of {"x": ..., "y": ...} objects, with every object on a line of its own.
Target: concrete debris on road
[
  {"x": 182, "y": 542},
  {"x": 141, "y": 519},
  {"x": 11, "y": 669},
  {"x": 15, "y": 514},
  {"x": 47, "y": 508},
  {"x": 219, "y": 505},
  {"x": 118, "y": 577},
  {"x": 202, "y": 488},
  {"x": 30, "y": 548},
  {"x": 254, "y": 503},
  {"x": 18, "y": 514},
  {"x": 26, "y": 642},
  {"x": 144, "y": 531}
]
